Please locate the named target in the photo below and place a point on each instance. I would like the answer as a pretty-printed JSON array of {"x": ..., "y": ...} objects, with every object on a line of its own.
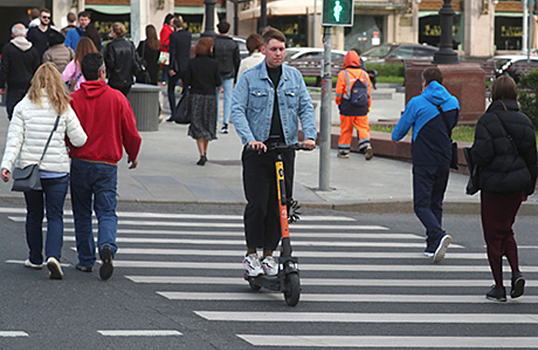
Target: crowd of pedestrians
[{"x": 68, "y": 120}]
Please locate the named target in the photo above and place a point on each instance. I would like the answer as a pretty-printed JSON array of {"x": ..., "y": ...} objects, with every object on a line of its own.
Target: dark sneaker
[
  {"x": 84, "y": 268},
  {"x": 497, "y": 294},
  {"x": 441, "y": 248},
  {"x": 107, "y": 268},
  {"x": 343, "y": 154},
  {"x": 224, "y": 129},
  {"x": 518, "y": 285},
  {"x": 55, "y": 270},
  {"x": 368, "y": 153}
]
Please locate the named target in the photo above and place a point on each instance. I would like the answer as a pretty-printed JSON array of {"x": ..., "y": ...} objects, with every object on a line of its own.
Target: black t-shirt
[{"x": 276, "y": 134}]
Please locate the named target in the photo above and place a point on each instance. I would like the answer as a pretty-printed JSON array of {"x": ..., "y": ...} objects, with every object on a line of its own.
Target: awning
[
  {"x": 283, "y": 8},
  {"x": 126, "y": 9}
]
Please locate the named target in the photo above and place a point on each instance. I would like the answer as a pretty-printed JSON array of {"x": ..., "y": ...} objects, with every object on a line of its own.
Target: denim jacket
[{"x": 252, "y": 105}]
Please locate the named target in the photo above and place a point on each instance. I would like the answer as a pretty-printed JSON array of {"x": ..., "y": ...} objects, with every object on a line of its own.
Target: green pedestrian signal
[{"x": 337, "y": 13}]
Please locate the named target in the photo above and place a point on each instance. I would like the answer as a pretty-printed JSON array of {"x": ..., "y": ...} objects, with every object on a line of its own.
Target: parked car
[
  {"x": 293, "y": 53},
  {"x": 398, "y": 52},
  {"x": 506, "y": 64}
]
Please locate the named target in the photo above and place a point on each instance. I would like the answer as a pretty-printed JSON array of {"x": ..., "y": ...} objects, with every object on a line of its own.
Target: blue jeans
[
  {"x": 227, "y": 89},
  {"x": 429, "y": 186},
  {"x": 54, "y": 191},
  {"x": 100, "y": 182}
]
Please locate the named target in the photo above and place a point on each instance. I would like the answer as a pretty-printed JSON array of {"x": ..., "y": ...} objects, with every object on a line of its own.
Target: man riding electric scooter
[{"x": 268, "y": 101}]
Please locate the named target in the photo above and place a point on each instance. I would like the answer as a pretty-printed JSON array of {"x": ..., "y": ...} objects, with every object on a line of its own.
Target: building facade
[{"x": 481, "y": 27}]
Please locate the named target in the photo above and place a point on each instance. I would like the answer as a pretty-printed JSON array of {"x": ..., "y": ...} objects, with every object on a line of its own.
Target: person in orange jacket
[{"x": 354, "y": 99}]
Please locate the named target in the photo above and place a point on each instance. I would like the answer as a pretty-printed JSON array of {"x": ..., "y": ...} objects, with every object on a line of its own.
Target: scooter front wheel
[
  {"x": 293, "y": 289},
  {"x": 254, "y": 286}
]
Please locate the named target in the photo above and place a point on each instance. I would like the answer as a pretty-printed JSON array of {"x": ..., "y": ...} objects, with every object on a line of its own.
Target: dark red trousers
[{"x": 498, "y": 216}]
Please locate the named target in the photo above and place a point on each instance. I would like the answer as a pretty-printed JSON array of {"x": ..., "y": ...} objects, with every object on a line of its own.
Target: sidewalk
[{"x": 167, "y": 172}]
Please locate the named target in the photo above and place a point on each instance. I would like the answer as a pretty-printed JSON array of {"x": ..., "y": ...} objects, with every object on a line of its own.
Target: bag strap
[
  {"x": 508, "y": 135},
  {"x": 445, "y": 119},
  {"x": 50, "y": 137}
]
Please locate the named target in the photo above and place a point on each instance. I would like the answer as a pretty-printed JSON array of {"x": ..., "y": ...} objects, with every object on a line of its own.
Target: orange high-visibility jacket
[{"x": 351, "y": 64}]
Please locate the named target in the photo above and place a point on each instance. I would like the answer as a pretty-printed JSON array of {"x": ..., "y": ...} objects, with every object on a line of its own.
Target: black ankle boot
[{"x": 202, "y": 161}]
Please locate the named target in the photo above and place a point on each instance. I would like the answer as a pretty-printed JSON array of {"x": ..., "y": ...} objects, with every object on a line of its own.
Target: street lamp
[
  {"x": 446, "y": 55},
  {"x": 209, "y": 18}
]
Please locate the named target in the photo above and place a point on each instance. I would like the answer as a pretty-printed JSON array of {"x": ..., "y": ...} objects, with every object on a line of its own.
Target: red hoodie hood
[
  {"x": 94, "y": 88},
  {"x": 352, "y": 59}
]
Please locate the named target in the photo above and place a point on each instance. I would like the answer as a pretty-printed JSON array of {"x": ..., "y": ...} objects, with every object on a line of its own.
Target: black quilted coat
[{"x": 505, "y": 149}]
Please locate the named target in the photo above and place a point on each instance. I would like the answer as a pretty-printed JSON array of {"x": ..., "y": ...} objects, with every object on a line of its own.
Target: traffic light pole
[{"x": 325, "y": 113}]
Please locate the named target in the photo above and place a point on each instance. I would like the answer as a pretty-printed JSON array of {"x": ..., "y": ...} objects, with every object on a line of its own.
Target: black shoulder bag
[
  {"x": 28, "y": 178},
  {"x": 454, "y": 158}
]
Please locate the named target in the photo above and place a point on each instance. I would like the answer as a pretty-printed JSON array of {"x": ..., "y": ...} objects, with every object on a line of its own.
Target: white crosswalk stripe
[
  {"x": 12, "y": 334},
  {"x": 347, "y": 267}
]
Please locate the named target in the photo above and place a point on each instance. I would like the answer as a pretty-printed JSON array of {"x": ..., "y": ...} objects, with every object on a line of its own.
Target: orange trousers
[{"x": 346, "y": 132}]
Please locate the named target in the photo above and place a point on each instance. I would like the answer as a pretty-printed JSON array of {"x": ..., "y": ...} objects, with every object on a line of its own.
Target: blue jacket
[
  {"x": 431, "y": 144},
  {"x": 252, "y": 105}
]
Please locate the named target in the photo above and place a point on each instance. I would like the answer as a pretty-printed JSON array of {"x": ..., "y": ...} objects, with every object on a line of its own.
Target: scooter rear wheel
[
  {"x": 293, "y": 289},
  {"x": 254, "y": 286}
]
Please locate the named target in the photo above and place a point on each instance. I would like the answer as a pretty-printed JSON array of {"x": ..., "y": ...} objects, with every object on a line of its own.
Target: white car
[
  {"x": 293, "y": 53},
  {"x": 503, "y": 62}
]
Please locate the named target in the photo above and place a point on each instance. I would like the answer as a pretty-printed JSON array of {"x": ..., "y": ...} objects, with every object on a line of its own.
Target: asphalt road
[{"x": 178, "y": 284}]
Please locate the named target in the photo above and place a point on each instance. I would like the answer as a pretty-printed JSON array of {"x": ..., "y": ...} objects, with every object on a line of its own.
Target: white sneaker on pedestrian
[
  {"x": 269, "y": 265},
  {"x": 252, "y": 265},
  {"x": 55, "y": 270},
  {"x": 441, "y": 248},
  {"x": 29, "y": 264}
]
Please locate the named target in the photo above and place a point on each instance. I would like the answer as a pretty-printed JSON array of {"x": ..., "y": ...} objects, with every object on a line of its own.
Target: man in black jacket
[
  {"x": 20, "y": 60},
  {"x": 180, "y": 51},
  {"x": 226, "y": 52},
  {"x": 38, "y": 35}
]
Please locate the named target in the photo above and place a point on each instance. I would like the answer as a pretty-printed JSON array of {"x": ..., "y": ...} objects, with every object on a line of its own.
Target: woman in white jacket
[{"x": 33, "y": 120}]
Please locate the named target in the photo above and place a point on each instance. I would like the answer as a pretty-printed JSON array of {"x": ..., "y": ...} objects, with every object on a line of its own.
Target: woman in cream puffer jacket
[{"x": 33, "y": 120}]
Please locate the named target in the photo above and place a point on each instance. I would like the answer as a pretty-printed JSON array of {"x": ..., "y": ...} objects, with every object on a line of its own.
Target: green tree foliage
[{"x": 528, "y": 96}]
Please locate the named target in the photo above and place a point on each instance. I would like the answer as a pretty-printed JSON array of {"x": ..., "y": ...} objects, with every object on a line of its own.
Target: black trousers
[{"x": 261, "y": 218}]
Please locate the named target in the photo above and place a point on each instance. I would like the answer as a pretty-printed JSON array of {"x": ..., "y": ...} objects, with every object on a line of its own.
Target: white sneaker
[
  {"x": 28, "y": 263},
  {"x": 55, "y": 270},
  {"x": 252, "y": 265},
  {"x": 269, "y": 265}
]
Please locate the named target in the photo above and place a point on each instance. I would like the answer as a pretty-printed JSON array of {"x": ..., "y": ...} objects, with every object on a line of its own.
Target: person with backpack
[
  {"x": 73, "y": 36},
  {"x": 354, "y": 98}
]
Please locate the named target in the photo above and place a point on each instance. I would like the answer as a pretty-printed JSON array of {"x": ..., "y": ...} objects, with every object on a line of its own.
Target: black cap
[{"x": 54, "y": 37}]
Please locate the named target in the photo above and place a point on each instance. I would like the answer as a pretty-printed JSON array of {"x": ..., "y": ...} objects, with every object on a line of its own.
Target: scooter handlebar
[{"x": 275, "y": 147}]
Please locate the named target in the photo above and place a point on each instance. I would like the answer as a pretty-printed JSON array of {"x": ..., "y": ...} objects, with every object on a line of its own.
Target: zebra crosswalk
[{"x": 364, "y": 285}]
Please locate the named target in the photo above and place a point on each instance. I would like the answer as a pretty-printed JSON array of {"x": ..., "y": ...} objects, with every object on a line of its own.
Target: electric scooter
[{"x": 287, "y": 279}]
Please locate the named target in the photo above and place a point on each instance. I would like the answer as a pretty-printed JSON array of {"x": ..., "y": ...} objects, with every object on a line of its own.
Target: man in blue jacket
[
  {"x": 431, "y": 153},
  {"x": 268, "y": 101}
]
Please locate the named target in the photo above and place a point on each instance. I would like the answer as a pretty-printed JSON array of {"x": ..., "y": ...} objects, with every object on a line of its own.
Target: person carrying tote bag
[{"x": 33, "y": 122}]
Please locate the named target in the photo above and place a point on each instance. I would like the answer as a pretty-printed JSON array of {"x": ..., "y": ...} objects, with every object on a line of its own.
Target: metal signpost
[{"x": 334, "y": 13}]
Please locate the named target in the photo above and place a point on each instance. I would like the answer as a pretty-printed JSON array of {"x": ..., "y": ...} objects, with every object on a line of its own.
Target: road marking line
[
  {"x": 315, "y": 267},
  {"x": 342, "y": 341},
  {"x": 139, "y": 333},
  {"x": 21, "y": 262},
  {"x": 428, "y": 283},
  {"x": 242, "y": 234},
  {"x": 296, "y": 226},
  {"x": 344, "y": 298},
  {"x": 296, "y": 243},
  {"x": 343, "y": 317},
  {"x": 12, "y": 334},
  {"x": 127, "y": 214},
  {"x": 299, "y": 254}
]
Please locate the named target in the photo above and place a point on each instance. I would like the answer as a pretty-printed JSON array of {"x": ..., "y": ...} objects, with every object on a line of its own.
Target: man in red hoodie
[{"x": 108, "y": 120}]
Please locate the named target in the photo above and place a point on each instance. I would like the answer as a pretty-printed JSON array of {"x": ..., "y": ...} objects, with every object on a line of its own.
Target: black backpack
[{"x": 355, "y": 102}]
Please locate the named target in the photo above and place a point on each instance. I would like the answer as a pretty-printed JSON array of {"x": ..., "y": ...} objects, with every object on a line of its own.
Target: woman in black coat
[
  {"x": 149, "y": 50},
  {"x": 121, "y": 60},
  {"x": 505, "y": 151},
  {"x": 203, "y": 77}
]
